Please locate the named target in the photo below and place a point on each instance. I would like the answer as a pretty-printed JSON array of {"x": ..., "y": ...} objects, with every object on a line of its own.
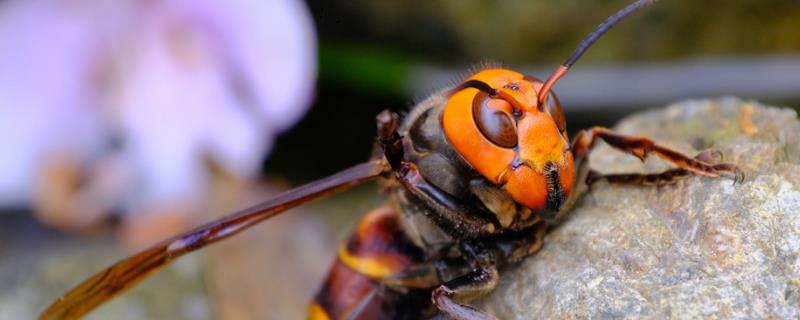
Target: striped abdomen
[{"x": 377, "y": 248}]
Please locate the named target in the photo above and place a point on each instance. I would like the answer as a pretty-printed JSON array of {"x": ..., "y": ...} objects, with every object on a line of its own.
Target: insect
[{"x": 474, "y": 175}]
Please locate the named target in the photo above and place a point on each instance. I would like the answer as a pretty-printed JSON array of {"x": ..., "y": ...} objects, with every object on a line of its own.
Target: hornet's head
[
  {"x": 511, "y": 128},
  {"x": 496, "y": 122}
]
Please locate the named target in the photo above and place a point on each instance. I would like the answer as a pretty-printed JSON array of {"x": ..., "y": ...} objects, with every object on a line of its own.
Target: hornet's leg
[
  {"x": 650, "y": 179},
  {"x": 641, "y": 147},
  {"x": 449, "y": 296},
  {"x": 469, "y": 274},
  {"x": 669, "y": 176},
  {"x": 389, "y": 139},
  {"x": 467, "y": 287}
]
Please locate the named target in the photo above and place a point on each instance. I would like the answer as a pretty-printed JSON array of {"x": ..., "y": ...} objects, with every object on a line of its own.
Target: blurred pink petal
[
  {"x": 44, "y": 104},
  {"x": 174, "y": 81}
]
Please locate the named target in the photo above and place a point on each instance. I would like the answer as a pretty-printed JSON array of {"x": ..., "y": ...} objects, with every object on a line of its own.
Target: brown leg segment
[
  {"x": 389, "y": 138},
  {"x": 669, "y": 176},
  {"x": 447, "y": 212},
  {"x": 641, "y": 147},
  {"x": 470, "y": 286},
  {"x": 656, "y": 179}
]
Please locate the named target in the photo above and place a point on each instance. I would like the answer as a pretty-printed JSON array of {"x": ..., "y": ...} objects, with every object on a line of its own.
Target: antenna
[{"x": 587, "y": 42}]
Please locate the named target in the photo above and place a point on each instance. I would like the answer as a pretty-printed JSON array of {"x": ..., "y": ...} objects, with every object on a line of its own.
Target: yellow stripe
[
  {"x": 371, "y": 267},
  {"x": 315, "y": 312}
]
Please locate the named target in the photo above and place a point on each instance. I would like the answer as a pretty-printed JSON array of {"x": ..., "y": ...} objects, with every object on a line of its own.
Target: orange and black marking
[
  {"x": 377, "y": 249},
  {"x": 496, "y": 122}
]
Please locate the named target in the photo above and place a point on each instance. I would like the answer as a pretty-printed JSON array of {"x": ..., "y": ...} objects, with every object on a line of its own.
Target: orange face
[{"x": 495, "y": 122}]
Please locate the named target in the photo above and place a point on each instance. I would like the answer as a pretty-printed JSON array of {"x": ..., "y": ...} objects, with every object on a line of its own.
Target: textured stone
[{"x": 701, "y": 248}]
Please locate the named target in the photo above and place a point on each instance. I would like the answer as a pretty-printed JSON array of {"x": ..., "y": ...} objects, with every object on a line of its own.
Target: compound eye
[
  {"x": 493, "y": 117},
  {"x": 553, "y": 107}
]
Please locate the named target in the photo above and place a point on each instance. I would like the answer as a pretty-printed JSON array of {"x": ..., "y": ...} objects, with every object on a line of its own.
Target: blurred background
[{"x": 124, "y": 122}]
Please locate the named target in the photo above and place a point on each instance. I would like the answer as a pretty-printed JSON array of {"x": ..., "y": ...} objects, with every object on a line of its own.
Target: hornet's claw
[{"x": 738, "y": 176}]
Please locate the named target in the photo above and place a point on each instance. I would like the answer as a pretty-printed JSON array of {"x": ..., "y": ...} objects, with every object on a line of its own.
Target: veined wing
[{"x": 129, "y": 271}]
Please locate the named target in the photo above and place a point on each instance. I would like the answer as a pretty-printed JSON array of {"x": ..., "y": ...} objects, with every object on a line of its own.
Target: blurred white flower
[{"x": 141, "y": 93}]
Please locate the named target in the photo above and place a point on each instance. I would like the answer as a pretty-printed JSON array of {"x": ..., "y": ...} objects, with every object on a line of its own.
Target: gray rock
[{"x": 701, "y": 248}]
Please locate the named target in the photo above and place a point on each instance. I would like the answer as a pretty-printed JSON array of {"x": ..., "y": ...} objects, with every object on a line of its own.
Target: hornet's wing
[{"x": 129, "y": 271}]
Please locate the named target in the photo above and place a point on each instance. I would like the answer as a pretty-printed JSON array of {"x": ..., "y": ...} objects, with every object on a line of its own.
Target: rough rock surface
[{"x": 701, "y": 248}]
